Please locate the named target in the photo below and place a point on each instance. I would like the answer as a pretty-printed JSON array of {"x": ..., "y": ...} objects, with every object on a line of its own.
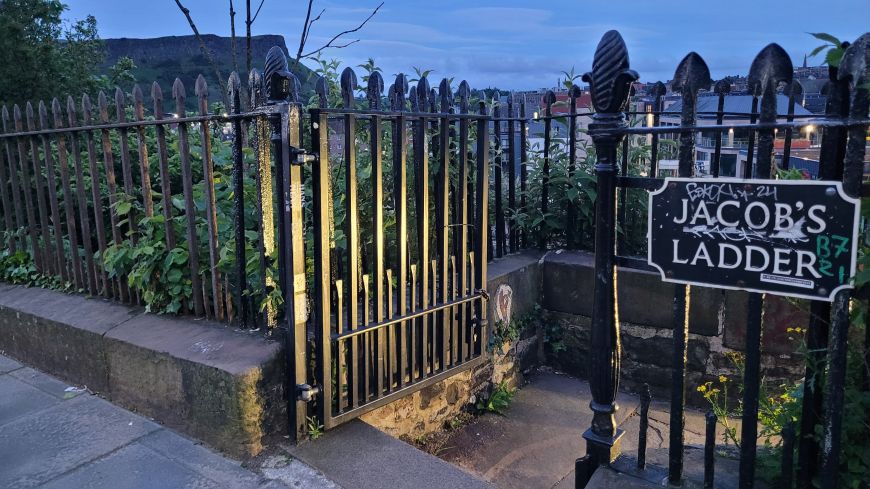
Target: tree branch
[
  {"x": 254, "y": 18},
  {"x": 205, "y": 52},
  {"x": 311, "y": 24},
  {"x": 342, "y": 33},
  {"x": 304, "y": 35}
]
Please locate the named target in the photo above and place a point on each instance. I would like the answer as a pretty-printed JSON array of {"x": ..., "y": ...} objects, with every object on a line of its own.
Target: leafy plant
[
  {"x": 780, "y": 406},
  {"x": 313, "y": 427},
  {"x": 833, "y": 48},
  {"x": 499, "y": 400},
  {"x": 508, "y": 332}
]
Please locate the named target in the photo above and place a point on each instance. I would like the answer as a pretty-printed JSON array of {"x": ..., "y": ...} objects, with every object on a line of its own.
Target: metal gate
[
  {"x": 398, "y": 218},
  {"x": 844, "y": 129}
]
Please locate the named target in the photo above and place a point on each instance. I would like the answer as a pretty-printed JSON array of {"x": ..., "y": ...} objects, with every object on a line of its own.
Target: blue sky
[{"x": 513, "y": 44}]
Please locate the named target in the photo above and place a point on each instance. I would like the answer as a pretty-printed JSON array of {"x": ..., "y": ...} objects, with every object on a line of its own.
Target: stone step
[
  {"x": 359, "y": 456},
  {"x": 606, "y": 478}
]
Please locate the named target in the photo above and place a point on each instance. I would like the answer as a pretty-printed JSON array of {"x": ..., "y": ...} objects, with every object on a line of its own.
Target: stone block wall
[{"x": 717, "y": 326}]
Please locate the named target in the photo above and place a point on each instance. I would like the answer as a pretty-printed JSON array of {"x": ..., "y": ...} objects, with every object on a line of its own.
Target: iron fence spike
[
  {"x": 201, "y": 86},
  {"x": 855, "y": 64},
  {"x": 692, "y": 74},
  {"x": 771, "y": 66},
  {"x": 348, "y": 85},
  {"x": 374, "y": 89}
]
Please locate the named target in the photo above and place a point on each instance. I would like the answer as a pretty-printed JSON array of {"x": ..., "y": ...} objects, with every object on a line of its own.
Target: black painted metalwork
[
  {"x": 524, "y": 170},
  {"x": 609, "y": 81},
  {"x": 794, "y": 91},
  {"x": 571, "y": 212},
  {"x": 498, "y": 180},
  {"x": 722, "y": 88},
  {"x": 770, "y": 67},
  {"x": 710, "y": 421},
  {"x": 831, "y": 155},
  {"x": 395, "y": 310},
  {"x": 855, "y": 68},
  {"x": 691, "y": 76},
  {"x": 643, "y": 428},
  {"x": 241, "y": 285},
  {"x": 658, "y": 91},
  {"x": 549, "y": 100},
  {"x": 513, "y": 234}
]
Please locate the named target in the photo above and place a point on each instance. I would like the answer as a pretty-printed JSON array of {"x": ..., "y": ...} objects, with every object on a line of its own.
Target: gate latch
[
  {"x": 298, "y": 156},
  {"x": 305, "y": 392},
  {"x": 483, "y": 294}
]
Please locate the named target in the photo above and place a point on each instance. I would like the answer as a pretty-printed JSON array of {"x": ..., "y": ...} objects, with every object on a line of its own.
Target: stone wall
[
  {"x": 206, "y": 380},
  {"x": 716, "y": 328}
]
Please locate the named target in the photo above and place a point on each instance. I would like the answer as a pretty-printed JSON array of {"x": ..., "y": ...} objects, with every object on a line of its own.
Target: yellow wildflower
[
  {"x": 702, "y": 388},
  {"x": 723, "y": 379}
]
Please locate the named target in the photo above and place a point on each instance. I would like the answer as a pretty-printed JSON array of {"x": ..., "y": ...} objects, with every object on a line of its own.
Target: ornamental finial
[{"x": 611, "y": 77}]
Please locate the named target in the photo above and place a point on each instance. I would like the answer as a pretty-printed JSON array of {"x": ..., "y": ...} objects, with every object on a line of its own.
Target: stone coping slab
[{"x": 221, "y": 386}]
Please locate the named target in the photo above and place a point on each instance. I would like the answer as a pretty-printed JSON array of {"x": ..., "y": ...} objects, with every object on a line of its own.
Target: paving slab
[
  {"x": 41, "y": 446},
  {"x": 19, "y": 399},
  {"x": 7, "y": 365},
  {"x": 47, "y": 384},
  {"x": 359, "y": 456},
  {"x": 133, "y": 467},
  {"x": 199, "y": 459},
  {"x": 59, "y": 436},
  {"x": 536, "y": 444}
]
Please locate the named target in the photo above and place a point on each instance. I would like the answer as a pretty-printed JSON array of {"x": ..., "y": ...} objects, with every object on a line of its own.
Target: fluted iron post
[{"x": 609, "y": 81}]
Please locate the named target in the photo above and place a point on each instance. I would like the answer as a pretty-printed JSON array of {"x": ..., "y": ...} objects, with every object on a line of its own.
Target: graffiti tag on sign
[{"x": 794, "y": 238}]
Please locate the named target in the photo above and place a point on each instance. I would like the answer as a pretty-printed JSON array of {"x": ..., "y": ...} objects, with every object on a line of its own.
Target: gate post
[
  {"x": 282, "y": 92},
  {"x": 609, "y": 82}
]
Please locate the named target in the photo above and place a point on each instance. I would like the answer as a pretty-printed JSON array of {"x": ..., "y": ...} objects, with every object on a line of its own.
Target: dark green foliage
[
  {"x": 499, "y": 400},
  {"x": 509, "y": 332},
  {"x": 40, "y": 58}
]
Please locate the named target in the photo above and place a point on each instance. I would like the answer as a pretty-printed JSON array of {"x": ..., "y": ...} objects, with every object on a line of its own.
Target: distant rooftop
[{"x": 737, "y": 103}]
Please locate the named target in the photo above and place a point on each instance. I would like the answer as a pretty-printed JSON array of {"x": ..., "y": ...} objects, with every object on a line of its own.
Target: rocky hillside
[{"x": 165, "y": 58}]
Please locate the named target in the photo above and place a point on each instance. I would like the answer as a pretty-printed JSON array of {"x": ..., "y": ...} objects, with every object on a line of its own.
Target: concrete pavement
[
  {"x": 535, "y": 444},
  {"x": 53, "y": 435}
]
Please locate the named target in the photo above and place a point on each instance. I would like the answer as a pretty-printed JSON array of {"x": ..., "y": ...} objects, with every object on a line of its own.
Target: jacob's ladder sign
[{"x": 795, "y": 238}]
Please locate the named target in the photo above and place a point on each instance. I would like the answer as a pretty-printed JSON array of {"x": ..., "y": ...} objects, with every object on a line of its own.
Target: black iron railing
[{"x": 844, "y": 132}]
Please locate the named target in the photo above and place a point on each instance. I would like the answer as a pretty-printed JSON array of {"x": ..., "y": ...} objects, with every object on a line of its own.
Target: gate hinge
[
  {"x": 298, "y": 156},
  {"x": 483, "y": 293},
  {"x": 305, "y": 392}
]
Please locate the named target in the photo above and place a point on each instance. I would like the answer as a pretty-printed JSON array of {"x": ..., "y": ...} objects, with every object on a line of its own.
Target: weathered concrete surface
[
  {"x": 536, "y": 444},
  {"x": 609, "y": 479},
  {"x": 60, "y": 333},
  {"x": 53, "y": 435},
  {"x": 210, "y": 382},
  {"x": 359, "y": 456},
  {"x": 218, "y": 385}
]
